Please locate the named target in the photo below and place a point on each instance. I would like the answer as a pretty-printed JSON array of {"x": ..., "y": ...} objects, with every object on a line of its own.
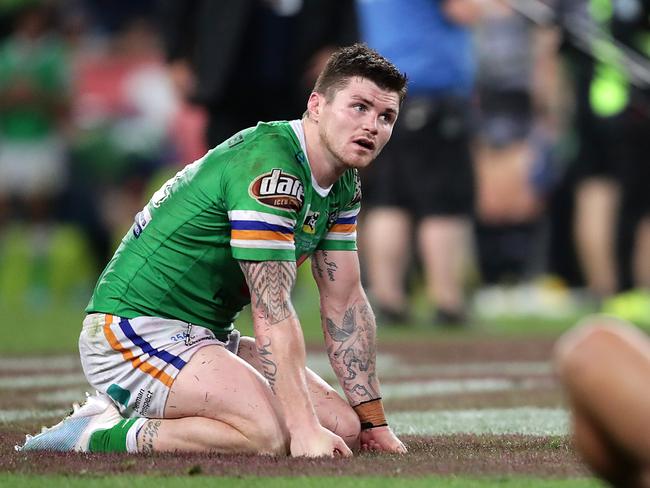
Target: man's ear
[{"x": 315, "y": 105}]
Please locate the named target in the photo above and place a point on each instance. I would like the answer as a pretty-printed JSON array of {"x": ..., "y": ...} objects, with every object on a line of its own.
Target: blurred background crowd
[{"x": 515, "y": 182}]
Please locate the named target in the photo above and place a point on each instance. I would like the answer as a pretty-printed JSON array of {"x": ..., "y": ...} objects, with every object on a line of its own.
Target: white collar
[{"x": 298, "y": 129}]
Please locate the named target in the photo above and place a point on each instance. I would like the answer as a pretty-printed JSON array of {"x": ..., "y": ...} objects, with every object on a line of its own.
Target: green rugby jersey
[{"x": 252, "y": 197}]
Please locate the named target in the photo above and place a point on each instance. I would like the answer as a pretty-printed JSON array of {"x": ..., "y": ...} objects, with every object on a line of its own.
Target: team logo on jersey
[
  {"x": 310, "y": 222},
  {"x": 278, "y": 189}
]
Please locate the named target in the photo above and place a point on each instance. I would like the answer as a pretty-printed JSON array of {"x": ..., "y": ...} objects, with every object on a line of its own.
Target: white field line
[
  {"x": 30, "y": 381},
  {"x": 7, "y": 416},
  {"x": 64, "y": 397},
  {"x": 526, "y": 420},
  {"x": 390, "y": 391},
  {"x": 416, "y": 389},
  {"x": 43, "y": 363},
  {"x": 406, "y": 389},
  {"x": 388, "y": 365}
]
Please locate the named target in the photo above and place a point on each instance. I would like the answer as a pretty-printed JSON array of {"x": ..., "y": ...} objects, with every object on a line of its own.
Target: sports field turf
[{"x": 477, "y": 408}]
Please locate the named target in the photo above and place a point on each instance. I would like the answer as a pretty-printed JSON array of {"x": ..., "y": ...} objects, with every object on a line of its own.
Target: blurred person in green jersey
[{"x": 230, "y": 229}]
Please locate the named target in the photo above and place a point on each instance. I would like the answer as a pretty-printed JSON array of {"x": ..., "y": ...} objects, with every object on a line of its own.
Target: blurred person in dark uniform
[
  {"x": 426, "y": 178},
  {"x": 517, "y": 93},
  {"x": 621, "y": 109},
  {"x": 609, "y": 174},
  {"x": 251, "y": 60}
]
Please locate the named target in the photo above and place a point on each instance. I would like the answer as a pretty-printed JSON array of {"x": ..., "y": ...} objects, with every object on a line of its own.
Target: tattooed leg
[{"x": 148, "y": 435}]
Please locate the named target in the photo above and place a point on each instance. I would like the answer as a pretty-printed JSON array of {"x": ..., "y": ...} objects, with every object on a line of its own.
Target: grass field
[{"x": 478, "y": 407}]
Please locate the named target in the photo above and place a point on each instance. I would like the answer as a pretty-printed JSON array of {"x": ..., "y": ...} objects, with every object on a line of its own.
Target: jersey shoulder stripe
[
  {"x": 345, "y": 226},
  {"x": 263, "y": 244},
  {"x": 349, "y": 214},
  {"x": 265, "y": 217},
  {"x": 260, "y": 235},
  {"x": 250, "y": 228}
]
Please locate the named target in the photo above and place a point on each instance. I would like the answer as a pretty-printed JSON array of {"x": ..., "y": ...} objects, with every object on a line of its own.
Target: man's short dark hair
[{"x": 358, "y": 60}]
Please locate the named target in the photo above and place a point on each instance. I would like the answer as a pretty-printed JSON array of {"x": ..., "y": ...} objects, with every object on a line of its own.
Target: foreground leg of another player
[{"x": 604, "y": 365}]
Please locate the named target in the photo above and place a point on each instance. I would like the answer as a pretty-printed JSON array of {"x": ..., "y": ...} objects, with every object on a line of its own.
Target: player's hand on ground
[
  {"x": 318, "y": 443},
  {"x": 381, "y": 439}
]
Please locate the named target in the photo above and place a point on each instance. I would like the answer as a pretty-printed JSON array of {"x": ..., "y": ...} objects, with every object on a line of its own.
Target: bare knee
[{"x": 267, "y": 436}]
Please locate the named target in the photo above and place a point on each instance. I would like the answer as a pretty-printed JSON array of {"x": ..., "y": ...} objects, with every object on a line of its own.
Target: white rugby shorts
[{"x": 135, "y": 361}]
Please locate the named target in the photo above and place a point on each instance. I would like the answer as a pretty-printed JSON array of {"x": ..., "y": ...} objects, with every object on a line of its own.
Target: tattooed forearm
[
  {"x": 147, "y": 435},
  {"x": 347, "y": 328},
  {"x": 270, "y": 284},
  {"x": 269, "y": 368},
  {"x": 352, "y": 352}
]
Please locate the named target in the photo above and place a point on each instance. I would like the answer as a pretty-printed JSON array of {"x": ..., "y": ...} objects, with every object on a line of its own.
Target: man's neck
[{"x": 325, "y": 168}]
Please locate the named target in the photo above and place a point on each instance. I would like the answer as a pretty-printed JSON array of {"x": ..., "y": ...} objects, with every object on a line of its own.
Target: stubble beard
[
  {"x": 332, "y": 151},
  {"x": 339, "y": 157}
]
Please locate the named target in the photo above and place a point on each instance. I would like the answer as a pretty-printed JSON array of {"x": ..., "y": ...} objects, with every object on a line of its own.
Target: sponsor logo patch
[
  {"x": 143, "y": 401},
  {"x": 235, "y": 140},
  {"x": 278, "y": 189},
  {"x": 142, "y": 219}
]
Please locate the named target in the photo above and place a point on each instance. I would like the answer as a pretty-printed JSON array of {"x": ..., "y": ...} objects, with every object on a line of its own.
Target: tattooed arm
[
  {"x": 350, "y": 336},
  {"x": 281, "y": 348}
]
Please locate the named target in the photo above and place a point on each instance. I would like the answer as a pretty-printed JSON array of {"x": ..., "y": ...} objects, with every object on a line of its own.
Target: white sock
[{"x": 132, "y": 435}]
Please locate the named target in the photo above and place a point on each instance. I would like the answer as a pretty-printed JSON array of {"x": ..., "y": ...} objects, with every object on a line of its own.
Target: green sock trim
[{"x": 111, "y": 440}]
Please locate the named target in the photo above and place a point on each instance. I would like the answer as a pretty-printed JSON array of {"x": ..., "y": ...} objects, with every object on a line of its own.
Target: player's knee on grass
[{"x": 269, "y": 439}]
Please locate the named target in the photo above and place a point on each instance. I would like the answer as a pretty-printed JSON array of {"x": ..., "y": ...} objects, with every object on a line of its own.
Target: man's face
[{"x": 356, "y": 124}]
